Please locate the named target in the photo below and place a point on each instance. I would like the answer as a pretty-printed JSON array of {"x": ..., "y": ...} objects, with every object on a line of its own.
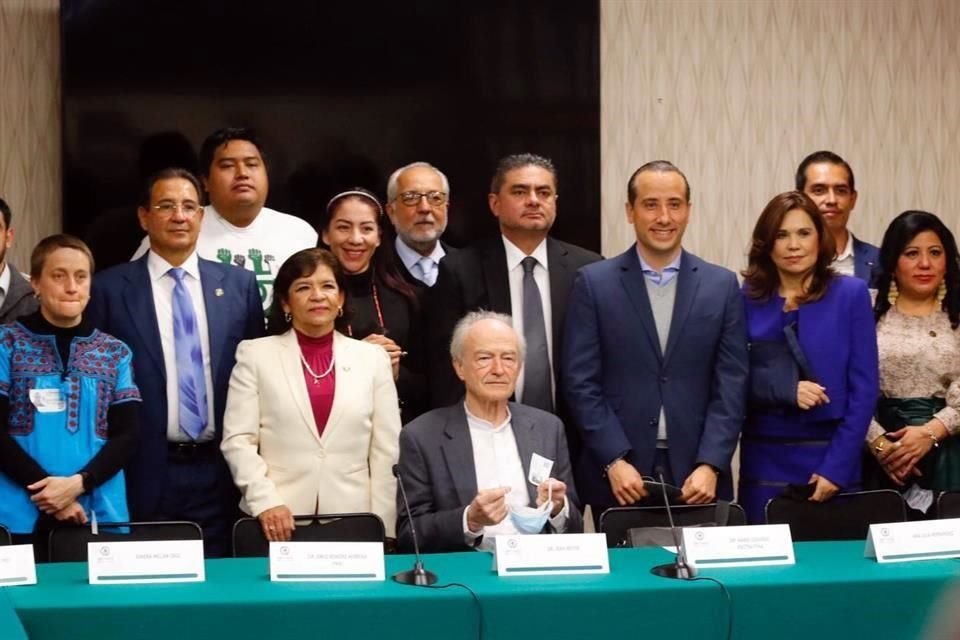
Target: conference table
[{"x": 832, "y": 592}]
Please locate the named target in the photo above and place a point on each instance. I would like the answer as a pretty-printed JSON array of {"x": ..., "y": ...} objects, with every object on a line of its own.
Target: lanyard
[{"x": 376, "y": 306}]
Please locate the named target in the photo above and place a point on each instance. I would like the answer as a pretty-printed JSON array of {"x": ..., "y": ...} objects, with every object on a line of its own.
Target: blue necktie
[
  {"x": 429, "y": 271},
  {"x": 186, "y": 340}
]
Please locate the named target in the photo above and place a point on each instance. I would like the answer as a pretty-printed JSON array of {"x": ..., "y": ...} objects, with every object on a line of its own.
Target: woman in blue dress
[
  {"x": 68, "y": 404},
  {"x": 813, "y": 358}
]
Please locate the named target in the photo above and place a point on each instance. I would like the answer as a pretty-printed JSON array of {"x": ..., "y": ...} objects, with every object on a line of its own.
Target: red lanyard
[{"x": 376, "y": 306}]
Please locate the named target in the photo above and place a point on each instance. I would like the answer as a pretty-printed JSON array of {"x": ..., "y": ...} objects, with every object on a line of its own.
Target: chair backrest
[
  {"x": 5, "y": 538},
  {"x": 69, "y": 544},
  {"x": 249, "y": 541},
  {"x": 617, "y": 522},
  {"x": 948, "y": 504},
  {"x": 847, "y": 516}
]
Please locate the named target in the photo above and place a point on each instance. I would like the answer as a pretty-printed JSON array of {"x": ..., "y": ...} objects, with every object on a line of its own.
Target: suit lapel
[
  {"x": 344, "y": 371},
  {"x": 214, "y": 302},
  {"x": 688, "y": 282},
  {"x": 19, "y": 287},
  {"x": 138, "y": 297},
  {"x": 494, "y": 265},
  {"x": 561, "y": 282},
  {"x": 458, "y": 454},
  {"x": 289, "y": 354},
  {"x": 525, "y": 434},
  {"x": 631, "y": 277}
]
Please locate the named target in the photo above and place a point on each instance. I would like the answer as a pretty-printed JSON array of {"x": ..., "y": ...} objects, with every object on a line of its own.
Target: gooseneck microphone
[
  {"x": 678, "y": 569},
  {"x": 418, "y": 575}
]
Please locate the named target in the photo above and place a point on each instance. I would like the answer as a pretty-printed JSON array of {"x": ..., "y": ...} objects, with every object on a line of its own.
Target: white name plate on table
[
  {"x": 747, "y": 546},
  {"x": 552, "y": 554},
  {"x": 326, "y": 561},
  {"x": 17, "y": 566},
  {"x": 145, "y": 561},
  {"x": 921, "y": 540}
]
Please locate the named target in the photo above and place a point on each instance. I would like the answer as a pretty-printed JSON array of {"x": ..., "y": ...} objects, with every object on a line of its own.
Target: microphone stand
[
  {"x": 678, "y": 569},
  {"x": 418, "y": 576}
]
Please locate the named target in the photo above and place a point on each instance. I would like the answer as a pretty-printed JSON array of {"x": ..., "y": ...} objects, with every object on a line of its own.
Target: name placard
[
  {"x": 747, "y": 546},
  {"x": 17, "y": 566},
  {"x": 552, "y": 554},
  {"x": 326, "y": 561},
  {"x": 143, "y": 561},
  {"x": 921, "y": 540}
]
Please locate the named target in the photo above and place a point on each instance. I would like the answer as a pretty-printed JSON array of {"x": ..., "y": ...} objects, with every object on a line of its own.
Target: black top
[
  {"x": 122, "y": 422},
  {"x": 400, "y": 324}
]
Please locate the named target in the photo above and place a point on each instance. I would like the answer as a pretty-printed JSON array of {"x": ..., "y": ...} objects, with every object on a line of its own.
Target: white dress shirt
[
  {"x": 162, "y": 284},
  {"x": 4, "y": 281},
  {"x": 497, "y": 463},
  {"x": 413, "y": 260},
  {"x": 541, "y": 273},
  {"x": 844, "y": 263}
]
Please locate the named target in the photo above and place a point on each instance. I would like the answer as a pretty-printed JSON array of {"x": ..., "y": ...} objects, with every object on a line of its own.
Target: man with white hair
[{"x": 473, "y": 469}]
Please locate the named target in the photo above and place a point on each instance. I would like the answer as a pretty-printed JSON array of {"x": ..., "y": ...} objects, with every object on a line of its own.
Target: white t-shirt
[{"x": 261, "y": 247}]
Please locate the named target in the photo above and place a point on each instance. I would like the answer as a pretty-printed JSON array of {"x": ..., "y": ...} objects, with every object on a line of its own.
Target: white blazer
[{"x": 270, "y": 436}]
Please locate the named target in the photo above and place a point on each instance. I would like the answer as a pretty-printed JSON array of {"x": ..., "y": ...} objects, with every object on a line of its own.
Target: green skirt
[{"x": 940, "y": 467}]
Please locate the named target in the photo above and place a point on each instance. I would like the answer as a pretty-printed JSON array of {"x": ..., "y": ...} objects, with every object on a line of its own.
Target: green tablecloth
[
  {"x": 10, "y": 627},
  {"x": 832, "y": 592}
]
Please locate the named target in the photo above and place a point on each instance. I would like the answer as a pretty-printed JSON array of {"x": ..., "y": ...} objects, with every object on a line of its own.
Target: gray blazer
[
  {"x": 19, "y": 300},
  {"x": 437, "y": 466}
]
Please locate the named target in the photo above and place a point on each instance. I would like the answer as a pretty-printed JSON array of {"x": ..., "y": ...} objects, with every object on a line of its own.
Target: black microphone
[
  {"x": 678, "y": 569},
  {"x": 418, "y": 575}
]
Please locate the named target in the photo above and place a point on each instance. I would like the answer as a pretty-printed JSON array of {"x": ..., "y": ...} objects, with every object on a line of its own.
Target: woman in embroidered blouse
[
  {"x": 382, "y": 305},
  {"x": 68, "y": 404},
  {"x": 917, "y": 312},
  {"x": 811, "y": 398},
  {"x": 312, "y": 424}
]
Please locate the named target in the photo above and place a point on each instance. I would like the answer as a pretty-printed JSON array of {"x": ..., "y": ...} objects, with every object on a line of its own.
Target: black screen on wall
[{"x": 341, "y": 93}]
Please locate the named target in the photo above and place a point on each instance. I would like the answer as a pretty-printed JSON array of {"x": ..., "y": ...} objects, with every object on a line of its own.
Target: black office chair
[
  {"x": 847, "y": 516},
  {"x": 948, "y": 504},
  {"x": 616, "y": 523},
  {"x": 249, "y": 541},
  {"x": 5, "y": 538},
  {"x": 69, "y": 544}
]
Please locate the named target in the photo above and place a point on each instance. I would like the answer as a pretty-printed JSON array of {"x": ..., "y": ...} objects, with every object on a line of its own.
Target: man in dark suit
[
  {"x": 16, "y": 294},
  {"x": 654, "y": 362},
  {"x": 472, "y": 469},
  {"x": 418, "y": 200},
  {"x": 829, "y": 181},
  {"x": 183, "y": 317},
  {"x": 499, "y": 274}
]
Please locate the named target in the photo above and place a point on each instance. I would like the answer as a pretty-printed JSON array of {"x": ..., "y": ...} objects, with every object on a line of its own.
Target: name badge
[
  {"x": 17, "y": 566},
  {"x": 921, "y": 540},
  {"x": 747, "y": 546},
  {"x": 326, "y": 561},
  {"x": 540, "y": 469},
  {"x": 47, "y": 400},
  {"x": 551, "y": 554},
  {"x": 145, "y": 561}
]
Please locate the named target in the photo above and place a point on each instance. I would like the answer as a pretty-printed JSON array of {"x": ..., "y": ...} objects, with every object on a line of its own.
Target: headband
[{"x": 354, "y": 192}]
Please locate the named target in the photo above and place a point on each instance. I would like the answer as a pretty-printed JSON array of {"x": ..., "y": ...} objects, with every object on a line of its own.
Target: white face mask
[{"x": 532, "y": 519}]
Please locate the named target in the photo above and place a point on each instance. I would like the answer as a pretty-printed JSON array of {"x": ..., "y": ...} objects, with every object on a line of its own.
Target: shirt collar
[
  {"x": 674, "y": 265},
  {"x": 847, "y": 250},
  {"x": 515, "y": 256},
  {"x": 486, "y": 425},
  {"x": 409, "y": 257},
  {"x": 5, "y": 278},
  {"x": 158, "y": 267}
]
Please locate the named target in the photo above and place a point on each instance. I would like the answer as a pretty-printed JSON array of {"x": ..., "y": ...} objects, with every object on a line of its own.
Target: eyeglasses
[
  {"x": 434, "y": 198},
  {"x": 189, "y": 209}
]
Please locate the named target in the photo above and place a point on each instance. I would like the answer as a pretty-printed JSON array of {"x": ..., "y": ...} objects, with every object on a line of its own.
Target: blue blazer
[
  {"x": 616, "y": 378},
  {"x": 121, "y": 304},
  {"x": 838, "y": 336},
  {"x": 866, "y": 259}
]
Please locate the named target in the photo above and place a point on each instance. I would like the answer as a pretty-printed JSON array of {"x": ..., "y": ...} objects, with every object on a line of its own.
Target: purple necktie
[{"x": 186, "y": 340}]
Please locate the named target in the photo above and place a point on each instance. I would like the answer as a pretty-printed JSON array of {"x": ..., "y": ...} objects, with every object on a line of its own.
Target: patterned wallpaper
[
  {"x": 30, "y": 120},
  {"x": 736, "y": 92}
]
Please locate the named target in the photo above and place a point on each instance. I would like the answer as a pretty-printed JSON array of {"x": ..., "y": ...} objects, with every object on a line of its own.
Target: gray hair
[
  {"x": 395, "y": 177},
  {"x": 467, "y": 322},
  {"x": 518, "y": 161}
]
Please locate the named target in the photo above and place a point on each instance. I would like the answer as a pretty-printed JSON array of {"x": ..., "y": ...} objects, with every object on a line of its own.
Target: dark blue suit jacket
[
  {"x": 121, "y": 304},
  {"x": 616, "y": 378},
  {"x": 866, "y": 259}
]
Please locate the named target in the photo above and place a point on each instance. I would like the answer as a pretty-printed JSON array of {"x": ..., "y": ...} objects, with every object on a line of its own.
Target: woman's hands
[
  {"x": 277, "y": 523},
  {"x": 392, "y": 348},
  {"x": 810, "y": 395},
  {"x": 824, "y": 489},
  {"x": 906, "y": 447},
  {"x": 56, "y": 493}
]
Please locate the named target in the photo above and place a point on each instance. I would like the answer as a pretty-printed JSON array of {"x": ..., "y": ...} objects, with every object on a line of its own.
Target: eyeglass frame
[
  {"x": 169, "y": 208},
  {"x": 403, "y": 197}
]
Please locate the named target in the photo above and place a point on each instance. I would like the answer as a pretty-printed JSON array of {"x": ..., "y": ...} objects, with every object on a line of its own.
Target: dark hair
[
  {"x": 5, "y": 210},
  {"x": 518, "y": 161},
  {"x": 50, "y": 244},
  {"x": 300, "y": 265},
  {"x": 384, "y": 259},
  {"x": 898, "y": 235},
  {"x": 761, "y": 277},
  {"x": 818, "y": 157},
  {"x": 221, "y": 137},
  {"x": 659, "y": 166},
  {"x": 169, "y": 173}
]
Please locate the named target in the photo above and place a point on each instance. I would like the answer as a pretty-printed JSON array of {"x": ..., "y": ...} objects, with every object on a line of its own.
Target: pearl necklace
[{"x": 317, "y": 376}]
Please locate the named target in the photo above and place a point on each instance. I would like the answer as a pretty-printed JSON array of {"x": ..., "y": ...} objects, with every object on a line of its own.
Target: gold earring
[
  {"x": 893, "y": 293},
  {"x": 339, "y": 312},
  {"x": 941, "y": 292}
]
